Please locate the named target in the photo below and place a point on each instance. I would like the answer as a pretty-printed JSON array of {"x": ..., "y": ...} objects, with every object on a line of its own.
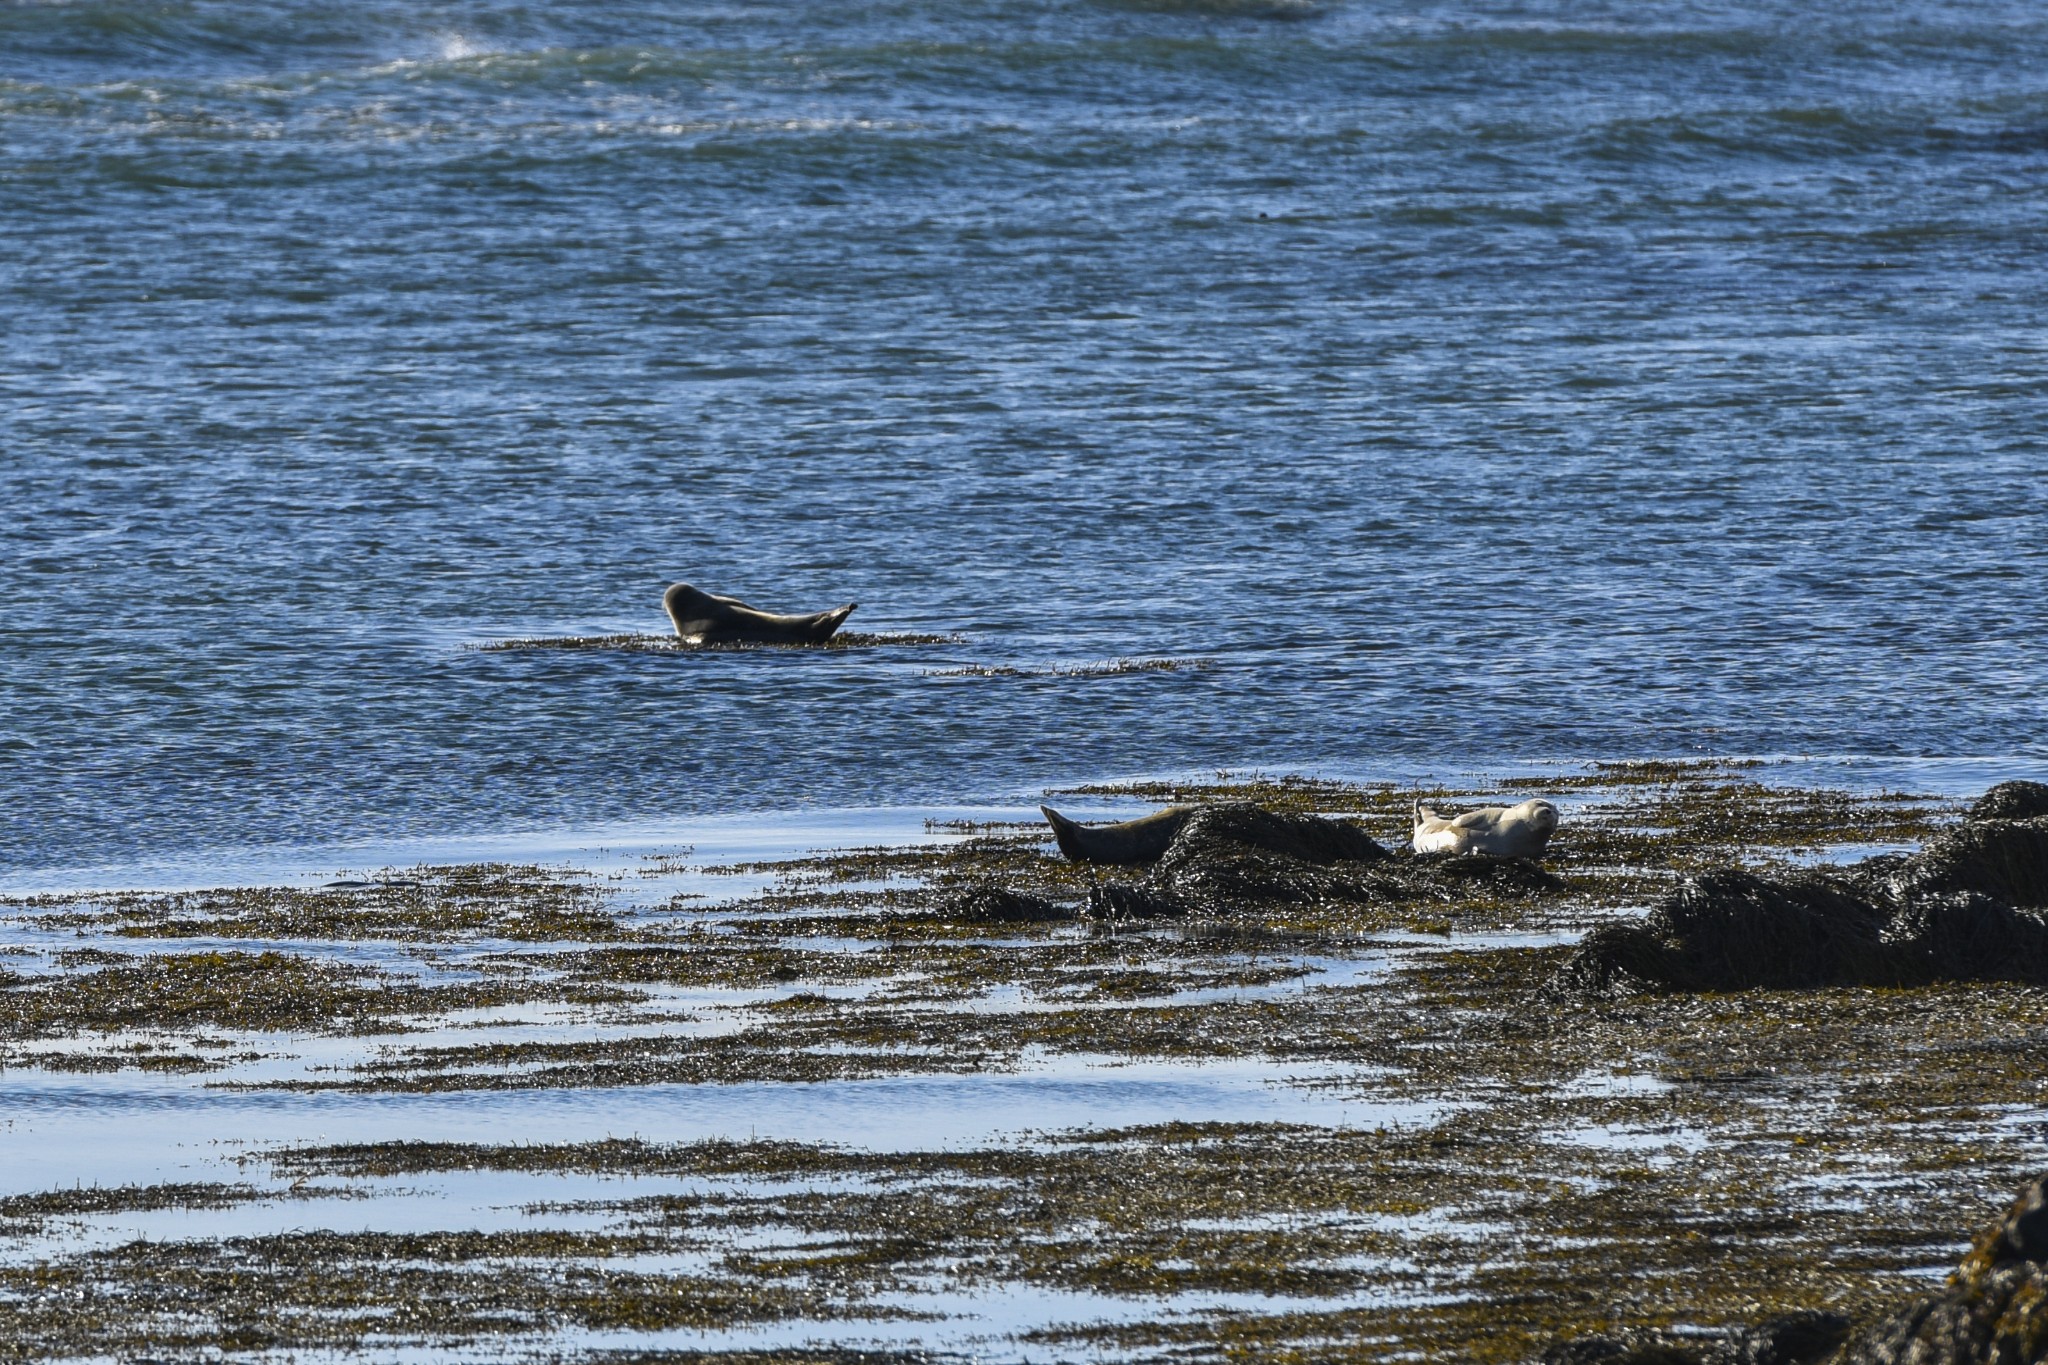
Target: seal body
[
  {"x": 704, "y": 618},
  {"x": 1500, "y": 831},
  {"x": 1128, "y": 841}
]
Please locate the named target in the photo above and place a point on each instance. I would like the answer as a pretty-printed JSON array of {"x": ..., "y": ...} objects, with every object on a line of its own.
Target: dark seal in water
[{"x": 707, "y": 619}]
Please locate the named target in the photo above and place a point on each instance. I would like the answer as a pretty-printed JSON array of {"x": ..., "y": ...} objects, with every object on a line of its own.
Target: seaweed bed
[{"x": 1465, "y": 1124}]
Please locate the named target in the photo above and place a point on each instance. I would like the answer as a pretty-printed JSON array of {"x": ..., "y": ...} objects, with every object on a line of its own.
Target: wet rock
[
  {"x": 1970, "y": 906},
  {"x": 2011, "y": 801},
  {"x": 1232, "y": 876},
  {"x": 1617, "y": 960},
  {"x": 1239, "y": 860},
  {"x": 2004, "y": 859},
  {"x": 1803, "y": 1338},
  {"x": 1994, "y": 1310},
  {"x": 987, "y": 903}
]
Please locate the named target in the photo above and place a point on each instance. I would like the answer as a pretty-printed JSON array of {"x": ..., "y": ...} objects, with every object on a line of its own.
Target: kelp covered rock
[
  {"x": 987, "y": 903},
  {"x": 1970, "y": 906},
  {"x": 1730, "y": 931},
  {"x": 2004, "y": 859},
  {"x": 1965, "y": 936},
  {"x": 1803, "y": 1338},
  {"x": 2011, "y": 801},
  {"x": 1240, "y": 855},
  {"x": 1993, "y": 1311},
  {"x": 1240, "y": 859},
  {"x": 1306, "y": 838}
]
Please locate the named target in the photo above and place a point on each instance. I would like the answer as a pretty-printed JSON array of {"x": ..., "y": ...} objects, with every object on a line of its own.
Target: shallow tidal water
[{"x": 1462, "y": 384}]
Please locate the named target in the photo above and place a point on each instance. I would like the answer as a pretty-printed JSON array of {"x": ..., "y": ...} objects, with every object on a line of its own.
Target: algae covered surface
[{"x": 920, "y": 1100}]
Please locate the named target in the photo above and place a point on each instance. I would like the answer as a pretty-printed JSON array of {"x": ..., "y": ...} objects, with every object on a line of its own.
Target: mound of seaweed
[
  {"x": 1994, "y": 1308},
  {"x": 1802, "y": 1338},
  {"x": 1992, "y": 1311},
  {"x": 2012, "y": 801},
  {"x": 1241, "y": 859},
  {"x": 2006, "y": 860},
  {"x": 988, "y": 903},
  {"x": 1965, "y": 908}
]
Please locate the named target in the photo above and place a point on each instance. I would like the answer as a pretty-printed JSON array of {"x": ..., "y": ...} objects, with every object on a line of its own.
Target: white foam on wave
[{"x": 455, "y": 47}]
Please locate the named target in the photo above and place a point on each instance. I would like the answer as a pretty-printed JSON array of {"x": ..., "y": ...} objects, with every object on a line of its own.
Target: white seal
[{"x": 1501, "y": 831}]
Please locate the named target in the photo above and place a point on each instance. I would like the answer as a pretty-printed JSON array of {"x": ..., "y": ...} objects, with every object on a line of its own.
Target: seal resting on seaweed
[
  {"x": 1128, "y": 841},
  {"x": 708, "y": 619},
  {"x": 1499, "y": 831}
]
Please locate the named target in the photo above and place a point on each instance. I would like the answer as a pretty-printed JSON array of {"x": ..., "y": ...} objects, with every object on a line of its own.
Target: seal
[
  {"x": 1128, "y": 841},
  {"x": 1499, "y": 831},
  {"x": 704, "y": 618}
]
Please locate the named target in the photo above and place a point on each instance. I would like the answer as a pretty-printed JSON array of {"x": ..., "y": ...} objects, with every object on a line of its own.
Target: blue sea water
[{"x": 1467, "y": 384}]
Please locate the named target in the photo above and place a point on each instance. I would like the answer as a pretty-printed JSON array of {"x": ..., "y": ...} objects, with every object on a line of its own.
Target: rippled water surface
[{"x": 1463, "y": 383}]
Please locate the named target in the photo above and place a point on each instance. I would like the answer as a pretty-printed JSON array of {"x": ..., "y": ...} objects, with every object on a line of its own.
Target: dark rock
[
  {"x": 1239, "y": 857},
  {"x": 1994, "y": 1310},
  {"x": 1735, "y": 930},
  {"x": 1229, "y": 876},
  {"x": 1616, "y": 960},
  {"x": 987, "y": 903},
  {"x": 2011, "y": 801},
  {"x": 1890, "y": 922},
  {"x": 1792, "y": 1339},
  {"x": 1239, "y": 860}
]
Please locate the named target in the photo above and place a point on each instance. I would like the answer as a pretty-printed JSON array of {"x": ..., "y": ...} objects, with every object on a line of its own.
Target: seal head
[{"x": 704, "y": 618}]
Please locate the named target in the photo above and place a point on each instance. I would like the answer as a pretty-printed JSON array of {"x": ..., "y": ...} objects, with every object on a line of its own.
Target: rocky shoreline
[{"x": 1282, "y": 1092}]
